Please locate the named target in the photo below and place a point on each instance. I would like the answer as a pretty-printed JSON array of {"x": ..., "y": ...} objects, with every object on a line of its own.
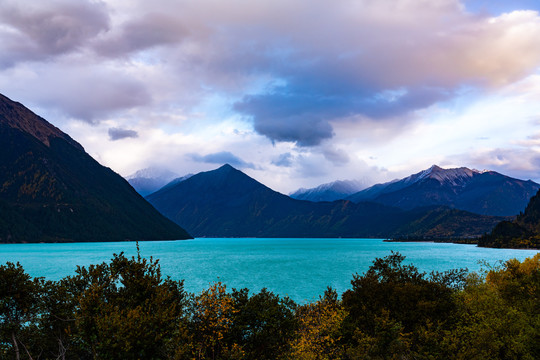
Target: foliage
[
  {"x": 392, "y": 304},
  {"x": 262, "y": 323},
  {"x": 126, "y": 309},
  {"x": 20, "y": 303},
  {"x": 319, "y": 330}
]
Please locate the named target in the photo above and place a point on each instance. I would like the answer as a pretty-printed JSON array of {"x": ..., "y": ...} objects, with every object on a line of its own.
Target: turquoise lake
[{"x": 299, "y": 268}]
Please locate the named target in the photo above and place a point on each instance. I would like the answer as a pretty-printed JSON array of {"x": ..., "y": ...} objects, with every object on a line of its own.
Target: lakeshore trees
[{"x": 125, "y": 309}]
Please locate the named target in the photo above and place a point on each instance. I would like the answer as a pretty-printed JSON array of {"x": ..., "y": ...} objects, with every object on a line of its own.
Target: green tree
[
  {"x": 127, "y": 309},
  {"x": 488, "y": 327},
  {"x": 262, "y": 324},
  {"x": 392, "y": 303},
  {"x": 20, "y": 307}
]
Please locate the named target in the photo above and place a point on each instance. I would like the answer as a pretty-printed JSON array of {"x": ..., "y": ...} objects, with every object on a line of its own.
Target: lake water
[{"x": 299, "y": 268}]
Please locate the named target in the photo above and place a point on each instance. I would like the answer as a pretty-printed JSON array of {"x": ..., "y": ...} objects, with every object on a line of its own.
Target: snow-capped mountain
[
  {"x": 149, "y": 180},
  {"x": 482, "y": 192},
  {"x": 336, "y": 190},
  {"x": 225, "y": 202}
]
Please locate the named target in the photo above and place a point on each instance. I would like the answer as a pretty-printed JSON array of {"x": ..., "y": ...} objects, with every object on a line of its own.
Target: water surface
[{"x": 299, "y": 268}]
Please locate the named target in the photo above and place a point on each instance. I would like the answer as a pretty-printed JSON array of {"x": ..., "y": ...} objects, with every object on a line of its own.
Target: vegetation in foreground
[{"x": 126, "y": 309}]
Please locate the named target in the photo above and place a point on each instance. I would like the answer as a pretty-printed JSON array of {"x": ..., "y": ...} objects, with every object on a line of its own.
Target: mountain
[
  {"x": 227, "y": 203},
  {"x": 149, "y": 180},
  {"x": 523, "y": 232},
  {"x": 481, "y": 192},
  {"x": 52, "y": 190},
  {"x": 176, "y": 181},
  {"x": 336, "y": 190}
]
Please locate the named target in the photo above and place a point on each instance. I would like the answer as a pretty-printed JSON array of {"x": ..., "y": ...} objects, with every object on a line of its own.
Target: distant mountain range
[
  {"x": 52, "y": 190},
  {"x": 481, "y": 192},
  {"x": 336, "y": 190},
  {"x": 228, "y": 203},
  {"x": 149, "y": 180}
]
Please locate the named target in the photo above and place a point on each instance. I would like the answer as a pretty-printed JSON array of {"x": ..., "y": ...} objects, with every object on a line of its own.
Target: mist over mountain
[
  {"x": 481, "y": 192},
  {"x": 52, "y": 190},
  {"x": 227, "y": 203},
  {"x": 336, "y": 190}
]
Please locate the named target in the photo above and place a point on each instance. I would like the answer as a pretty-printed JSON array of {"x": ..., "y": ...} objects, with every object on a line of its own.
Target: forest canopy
[{"x": 127, "y": 309}]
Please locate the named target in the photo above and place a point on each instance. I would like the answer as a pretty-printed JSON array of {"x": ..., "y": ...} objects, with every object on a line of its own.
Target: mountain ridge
[
  {"x": 227, "y": 203},
  {"x": 51, "y": 190},
  {"x": 336, "y": 190},
  {"x": 482, "y": 192}
]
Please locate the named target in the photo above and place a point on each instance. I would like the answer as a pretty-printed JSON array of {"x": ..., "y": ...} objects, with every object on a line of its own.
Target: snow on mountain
[
  {"x": 336, "y": 190},
  {"x": 153, "y": 173},
  {"x": 482, "y": 192},
  {"x": 457, "y": 176},
  {"x": 151, "y": 179}
]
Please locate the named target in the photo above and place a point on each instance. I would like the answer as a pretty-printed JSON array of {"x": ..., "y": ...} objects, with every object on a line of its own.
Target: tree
[
  {"x": 488, "y": 327},
  {"x": 127, "y": 309},
  {"x": 211, "y": 320},
  {"x": 262, "y": 323},
  {"x": 392, "y": 303},
  {"x": 20, "y": 306},
  {"x": 319, "y": 330}
]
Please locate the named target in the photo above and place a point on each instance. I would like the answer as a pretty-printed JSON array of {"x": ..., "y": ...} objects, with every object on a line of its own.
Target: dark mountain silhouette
[
  {"x": 228, "y": 203},
  {"x": 523, "y": 232},
  {"x": 52, "y": 190},
  {"x": 487, "y": 192}
]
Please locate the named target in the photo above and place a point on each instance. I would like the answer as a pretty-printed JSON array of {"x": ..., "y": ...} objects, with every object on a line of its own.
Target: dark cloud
[
  {"x": 303, "y": 114},
  {"x": 222, "y": 157},
  {"x": 284, "y": 160},
  {"x": 44, "y": 30},
  {"x": 119, "y": 134}
]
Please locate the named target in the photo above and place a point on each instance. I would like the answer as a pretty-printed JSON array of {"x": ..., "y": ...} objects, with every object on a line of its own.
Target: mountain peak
[
  {"x": 454, "y": 176},
  {"x": 153, "y": 173},
  {"x": 16, "y": 115},
  {"x": 225, "y": 167},
  {"x": 336, "y": 190},
  {"x": 52, "y": 191}
]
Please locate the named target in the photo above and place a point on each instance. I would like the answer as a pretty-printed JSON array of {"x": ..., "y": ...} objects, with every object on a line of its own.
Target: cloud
[
  {"x": 48, "y": 28},
  {"x": 386, "y": 67},
  {"x": 222, "y": 157},
  {"x": 303, "y": 77},
  {"x": 304, "y": 116},
  {"x": 521, "y": 162},
  {"x": 79, "y": 90},
  {"x": 147, "y": 31},
  {"x": 381, "y": 60},
  {"x": 336, "y": 156},
  {"x": 119, "y": 134},
  {"x": 283, "y": 160}
]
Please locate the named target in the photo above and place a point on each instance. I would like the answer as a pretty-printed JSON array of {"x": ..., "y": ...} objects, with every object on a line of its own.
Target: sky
[{"x": 295, "y": 93}]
